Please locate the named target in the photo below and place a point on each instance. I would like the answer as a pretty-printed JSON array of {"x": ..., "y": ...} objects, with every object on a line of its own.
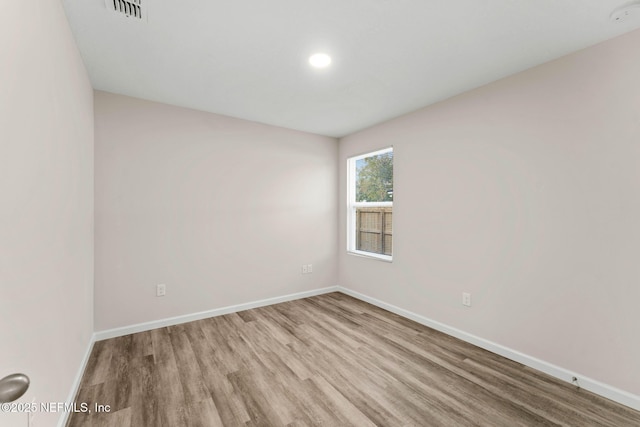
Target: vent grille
[{"x": 127, "y": 8}]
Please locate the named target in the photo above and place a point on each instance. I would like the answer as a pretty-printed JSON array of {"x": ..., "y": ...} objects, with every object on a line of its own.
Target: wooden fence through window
[{"x": 374, "y": 230}]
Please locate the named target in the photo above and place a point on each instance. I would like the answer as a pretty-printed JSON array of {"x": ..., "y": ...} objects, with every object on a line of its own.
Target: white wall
[
  {"x": 526, "y": 193},
  {"x": 46, "y": 203},
  {"x": 221, "y": 210}
]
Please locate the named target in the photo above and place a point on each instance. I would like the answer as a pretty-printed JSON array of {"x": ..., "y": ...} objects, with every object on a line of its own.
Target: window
[{"x": 370, "y": 204}]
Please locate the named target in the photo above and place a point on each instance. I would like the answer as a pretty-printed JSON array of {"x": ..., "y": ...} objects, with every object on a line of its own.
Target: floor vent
[{"x": 128, "y": 8}]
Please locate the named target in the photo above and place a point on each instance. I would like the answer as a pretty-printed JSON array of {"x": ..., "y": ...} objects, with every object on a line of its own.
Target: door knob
[{"x": 12, "y": 387}]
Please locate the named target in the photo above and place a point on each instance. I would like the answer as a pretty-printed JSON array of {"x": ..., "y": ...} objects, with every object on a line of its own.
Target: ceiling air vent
[{"x": 128, "y": 8}]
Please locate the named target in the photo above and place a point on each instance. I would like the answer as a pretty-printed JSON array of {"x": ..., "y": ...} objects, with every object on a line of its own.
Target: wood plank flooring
[{"x": 329, "y": 360}]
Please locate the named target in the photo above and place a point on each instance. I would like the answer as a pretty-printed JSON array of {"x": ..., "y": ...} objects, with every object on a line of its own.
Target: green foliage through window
[{"x": 374, "y": 178}]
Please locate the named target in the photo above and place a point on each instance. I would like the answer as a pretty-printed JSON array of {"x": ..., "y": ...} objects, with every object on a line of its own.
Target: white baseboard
[
  {"x": 147, "y": 326},
  {"x": 604, "y": 390},
  {"x": 75, "y": 386}
]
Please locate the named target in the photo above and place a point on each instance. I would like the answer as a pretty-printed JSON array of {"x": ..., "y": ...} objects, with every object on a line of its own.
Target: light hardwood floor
[{"x": 328, "y": 360}]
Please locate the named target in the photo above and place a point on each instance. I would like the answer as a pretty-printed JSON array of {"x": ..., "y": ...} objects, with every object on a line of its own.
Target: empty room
[{"x": 306, "y": 213}]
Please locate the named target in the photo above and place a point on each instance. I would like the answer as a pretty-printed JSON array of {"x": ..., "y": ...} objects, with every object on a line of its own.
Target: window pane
[
  {"x": 370, "y": 223},
  {"x": 374, "y": 178},
  {"x": 374, "y": 232}
]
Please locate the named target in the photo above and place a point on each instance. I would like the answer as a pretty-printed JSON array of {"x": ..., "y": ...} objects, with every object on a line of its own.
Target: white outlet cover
[{"x": 466, "y": 299}]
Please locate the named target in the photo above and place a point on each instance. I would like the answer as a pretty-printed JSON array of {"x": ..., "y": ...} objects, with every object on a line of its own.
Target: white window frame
[{"x": 352, "y": 205}]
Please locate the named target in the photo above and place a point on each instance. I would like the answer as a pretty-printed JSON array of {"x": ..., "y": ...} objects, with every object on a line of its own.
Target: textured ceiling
[{"x": 248, "y": 58}]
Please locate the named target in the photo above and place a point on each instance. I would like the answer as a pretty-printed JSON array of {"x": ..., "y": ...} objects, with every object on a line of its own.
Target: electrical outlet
[
  {"x": 466, "y": 299},
  {"x": 161, "y": 290},
  {"x": 305, "y": 269},
  {"x": 310, "y": 268}
]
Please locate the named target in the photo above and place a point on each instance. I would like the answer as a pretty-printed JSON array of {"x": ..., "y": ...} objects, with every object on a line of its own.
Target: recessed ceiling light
[{"x": 320, "y": 60}]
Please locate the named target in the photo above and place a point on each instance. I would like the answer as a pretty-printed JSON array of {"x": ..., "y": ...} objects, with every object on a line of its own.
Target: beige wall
[
  {"x": 525, "y": 193},
  {"x": 223, "y": 211},
  {"x": 46, "y": 203}
]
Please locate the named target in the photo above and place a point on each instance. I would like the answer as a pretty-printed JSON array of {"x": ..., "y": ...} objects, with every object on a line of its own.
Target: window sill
[{"x": 363, "y": 254}]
